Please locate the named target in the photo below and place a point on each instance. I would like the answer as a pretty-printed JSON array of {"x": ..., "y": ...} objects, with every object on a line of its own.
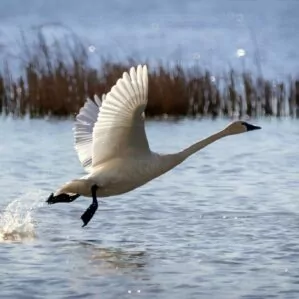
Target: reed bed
[{"x": 55, "y": 82}]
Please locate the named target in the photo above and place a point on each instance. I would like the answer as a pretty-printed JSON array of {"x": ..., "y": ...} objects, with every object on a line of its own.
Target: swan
[{"x": 112, "y": 146}]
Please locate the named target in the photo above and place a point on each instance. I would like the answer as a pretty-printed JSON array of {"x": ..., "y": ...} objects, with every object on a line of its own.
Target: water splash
[{"x": 16, "y": 221}]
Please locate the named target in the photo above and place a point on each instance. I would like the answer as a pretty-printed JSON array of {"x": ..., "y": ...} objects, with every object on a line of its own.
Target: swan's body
[
  {"x": 120, "y": 175},
  {"x": 112, "y": 145}
]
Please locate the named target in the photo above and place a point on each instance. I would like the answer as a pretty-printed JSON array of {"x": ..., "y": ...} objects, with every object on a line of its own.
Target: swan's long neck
[
  {"x": 200, "y": 145},
  {"x": 173, "y": 160}
]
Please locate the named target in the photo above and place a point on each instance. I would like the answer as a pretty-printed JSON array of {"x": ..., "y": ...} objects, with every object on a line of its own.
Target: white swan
[{"x": 112, "y": 146}]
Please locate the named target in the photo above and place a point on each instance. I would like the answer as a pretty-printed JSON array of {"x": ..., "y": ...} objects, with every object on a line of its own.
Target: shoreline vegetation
[{"x": 56, "y": 80}]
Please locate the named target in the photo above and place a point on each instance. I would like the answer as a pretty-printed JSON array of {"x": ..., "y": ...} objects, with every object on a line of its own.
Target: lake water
[
  {"x": 224, "y": 224},
  {"x": 209, "y": 33}
]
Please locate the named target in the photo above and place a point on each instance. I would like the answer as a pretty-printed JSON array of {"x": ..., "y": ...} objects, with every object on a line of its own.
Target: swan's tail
[{"x": 81, "y": 186}]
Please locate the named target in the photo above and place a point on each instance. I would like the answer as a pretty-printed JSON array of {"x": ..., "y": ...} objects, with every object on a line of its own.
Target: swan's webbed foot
[
  {"x": 61, "y": 198},
  {"x": 88, "y": 214}
]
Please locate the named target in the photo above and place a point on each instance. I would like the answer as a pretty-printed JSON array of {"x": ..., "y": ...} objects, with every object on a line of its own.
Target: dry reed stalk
[{"x": 57, "y": 83}]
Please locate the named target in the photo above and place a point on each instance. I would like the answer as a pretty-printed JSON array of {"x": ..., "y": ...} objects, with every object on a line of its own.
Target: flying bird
[{"x": 112, "y": 146}]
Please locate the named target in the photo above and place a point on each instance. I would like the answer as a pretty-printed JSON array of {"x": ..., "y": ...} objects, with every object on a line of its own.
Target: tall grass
[{"x": 56, "y": 79}]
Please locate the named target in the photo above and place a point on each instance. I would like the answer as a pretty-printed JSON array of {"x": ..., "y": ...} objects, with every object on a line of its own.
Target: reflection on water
[{"x": 109, "y": 260}]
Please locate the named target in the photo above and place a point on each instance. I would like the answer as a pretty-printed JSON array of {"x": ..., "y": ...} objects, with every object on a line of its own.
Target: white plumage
[
  {"x": 119, "y": 130},
  {"x": 112, "y": 146},
  {"x": 83, "y": 129}
]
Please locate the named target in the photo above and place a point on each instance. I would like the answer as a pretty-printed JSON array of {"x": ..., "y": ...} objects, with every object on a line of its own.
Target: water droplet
[
  {"x": 91, "y": 48},
  {"x": 138, "y": 291},
  {"x": 155, "y": 26},
  {"x": 239, "y": 18},
  {"x": 19, "y": 90},
  {"x": 241, "y": 52},
  {"x": 16, "y": 222},
  {"x": 196, "y": 56},
  {"x": 129, "y": 291}
]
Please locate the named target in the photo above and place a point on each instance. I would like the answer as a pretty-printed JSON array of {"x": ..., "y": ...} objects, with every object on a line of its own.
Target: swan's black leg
[
  {"x": 61, "y": 198},
  {"x": 88, "y": 214}
]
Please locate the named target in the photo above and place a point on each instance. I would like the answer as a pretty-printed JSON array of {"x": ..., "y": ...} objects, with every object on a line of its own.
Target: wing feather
[
  {"x": 119, "y": 129},
  {"x": 83, "y": 129}
]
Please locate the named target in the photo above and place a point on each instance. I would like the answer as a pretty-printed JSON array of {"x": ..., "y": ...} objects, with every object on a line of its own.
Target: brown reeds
[{"x": 56, "y": 83}]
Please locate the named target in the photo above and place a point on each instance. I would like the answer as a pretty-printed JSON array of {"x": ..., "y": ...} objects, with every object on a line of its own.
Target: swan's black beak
[{"x": 250, "y": 127}]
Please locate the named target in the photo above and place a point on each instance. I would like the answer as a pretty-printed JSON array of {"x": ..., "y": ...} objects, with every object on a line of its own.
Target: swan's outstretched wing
[
  {"x": 119, "y": 130},
  {"x": 83, "y": 128}
]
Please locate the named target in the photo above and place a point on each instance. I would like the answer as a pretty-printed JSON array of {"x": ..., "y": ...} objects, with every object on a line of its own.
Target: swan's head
[{"x": 238, "y": 127}]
